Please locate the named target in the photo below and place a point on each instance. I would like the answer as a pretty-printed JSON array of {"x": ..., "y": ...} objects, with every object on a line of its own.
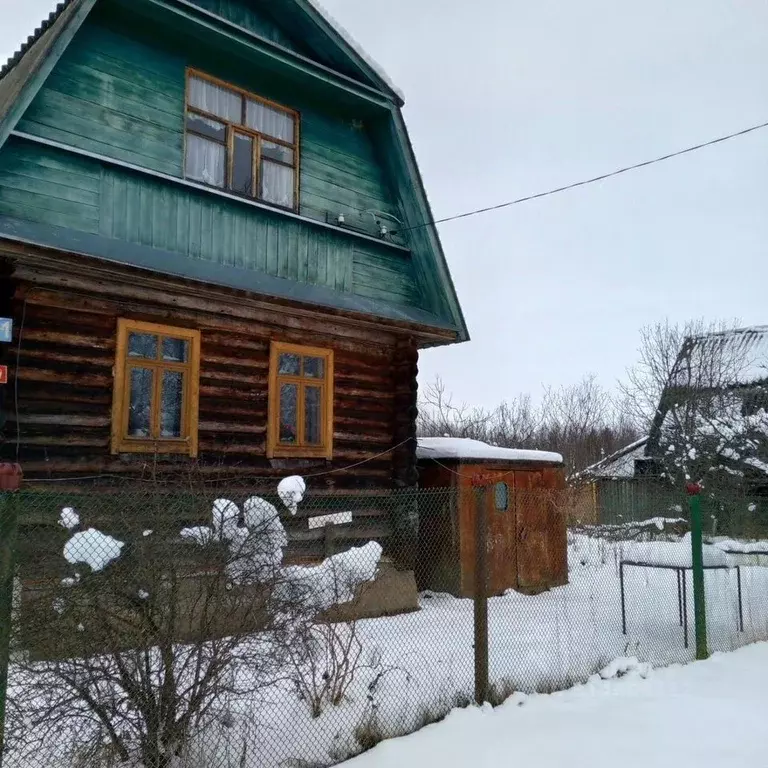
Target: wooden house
[
  {"x": 525, "y": 521},
  {"x": 214, "y": 246}
]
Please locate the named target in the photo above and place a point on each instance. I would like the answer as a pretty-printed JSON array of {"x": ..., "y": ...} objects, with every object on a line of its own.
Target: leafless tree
[
  {"x": 660, "y": 344},
  {"x": 139, "y": 647},
  {"x": 580, "y": 420}
]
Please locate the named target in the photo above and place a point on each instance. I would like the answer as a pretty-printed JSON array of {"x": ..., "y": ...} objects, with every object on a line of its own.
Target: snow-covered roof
[
  {"x": 358, "y": 49},
  {"x": 465, "y": 448},
  {"x": 620, "y": 464},
  {"x": 737, "y": 357}
]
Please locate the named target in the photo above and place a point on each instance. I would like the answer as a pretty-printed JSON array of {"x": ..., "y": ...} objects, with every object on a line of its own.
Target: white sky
[{"x": 510, "y": 97}]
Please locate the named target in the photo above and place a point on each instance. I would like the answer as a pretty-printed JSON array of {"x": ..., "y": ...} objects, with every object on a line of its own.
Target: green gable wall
[
  {"x": 117, "y": 93},
  {"x": 121, "y": 97},
  {"x": 242, "y": 13}
]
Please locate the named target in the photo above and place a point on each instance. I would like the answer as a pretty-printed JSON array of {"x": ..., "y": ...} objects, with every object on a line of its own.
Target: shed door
[
  {"x": 502, "y": 550},
  {"x": 534, "y": 534}
]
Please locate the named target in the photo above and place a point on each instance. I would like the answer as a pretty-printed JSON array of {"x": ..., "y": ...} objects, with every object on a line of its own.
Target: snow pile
[
  {"x": 674, "y": 553},
  {"x": 337, "y": 578},
  {"x": 465, "y": 448},
  {"x": 291, "y": 491},
  {"x": 623, "y": 666},
  {"x": 93, "y": 548},
  {"x": 69, "y": 519},
  {"x": 742, "y": 547}
]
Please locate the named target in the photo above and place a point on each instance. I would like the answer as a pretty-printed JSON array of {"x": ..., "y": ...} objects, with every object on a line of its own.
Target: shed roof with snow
[{"x": 465, "y": 449}]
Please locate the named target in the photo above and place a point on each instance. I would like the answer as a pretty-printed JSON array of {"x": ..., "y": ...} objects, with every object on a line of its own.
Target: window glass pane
[
  {"x": 290, "y": 365},
  {"x": 312, "y": 415},
  {"x": 207, "y": 127},
  {"x": 142, "y": 345},
  {"x": 288, "y": 413},
  {"x": 215, "y": 100},
  {"x": 276, "y": 152},
  {"x": 501, "y": 496},
  {"x": 171, "y": 403},
  {"x": 272, "y": 122},
  {"x": 206, "y": 160},
  {"x": 313, "y": 367},
  {"x": 277, "y": 184},
  {"x": 242, "y": 165},
  {"x": 140, "y": 404},
  {"x": 175, "y": 350}
]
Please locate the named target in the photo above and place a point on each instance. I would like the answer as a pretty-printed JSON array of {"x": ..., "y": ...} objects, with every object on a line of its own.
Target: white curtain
[
  {"x": 215, "y": 100},
  {"x": 277, "y": 184},
  {"x": 271, "y": 122},
  {"x": 206, "y": 160}
]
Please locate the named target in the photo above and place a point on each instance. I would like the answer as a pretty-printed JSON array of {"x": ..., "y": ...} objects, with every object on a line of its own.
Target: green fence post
[
  {"x": 697, "y": 564},
  {"x": 8, "y": 532}
]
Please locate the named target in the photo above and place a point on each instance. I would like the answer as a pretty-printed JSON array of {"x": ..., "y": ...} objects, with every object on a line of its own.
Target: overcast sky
[{"x": 511, "y": 97}]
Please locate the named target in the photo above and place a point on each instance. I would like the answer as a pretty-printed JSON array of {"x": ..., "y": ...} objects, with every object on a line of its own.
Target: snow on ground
[
  {"x": 708, "y": 714},
  {"x": 416, "y": 667}
]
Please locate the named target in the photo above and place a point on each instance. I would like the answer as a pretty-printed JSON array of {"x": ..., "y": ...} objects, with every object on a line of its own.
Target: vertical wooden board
[
  {"x": 240, "y": 236},
  {"x": 172, "y": 208},
  {"x": 182, "y": 223},
  {"x": 312, "y": 260},
  {"x": 224, "y": 221},
  {"x": 195, "y": 226},
  {"x": 502, "y": 536},
  {"x": 120, "y": 201},
  {"x": 206, "y": 230},
  {"x": 146, "y": 212},
  {"x": 302, "y": 254},
  {"x": 534, "y": 562},
  {"x": 106, "y": 209}
]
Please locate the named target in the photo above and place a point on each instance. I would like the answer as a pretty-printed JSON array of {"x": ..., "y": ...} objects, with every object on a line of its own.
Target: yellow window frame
[
  {"x": 300, "y": 449},
  {"x": 123, "y": 443}
]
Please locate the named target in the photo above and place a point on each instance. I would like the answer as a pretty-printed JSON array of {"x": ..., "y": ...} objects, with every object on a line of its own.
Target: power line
[{"x": 585, "y": 182}]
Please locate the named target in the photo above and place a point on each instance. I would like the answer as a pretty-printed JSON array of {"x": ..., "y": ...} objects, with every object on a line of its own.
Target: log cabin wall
[{"x": 65, "y": 313}]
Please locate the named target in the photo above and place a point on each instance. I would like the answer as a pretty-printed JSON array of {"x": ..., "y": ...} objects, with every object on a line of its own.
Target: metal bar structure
[
  {"x": 623, "y": 599},
  {"x": 682, "y": 590},
  {"x": 481, "y": 596},
  {"x": 741, "y": 608}
]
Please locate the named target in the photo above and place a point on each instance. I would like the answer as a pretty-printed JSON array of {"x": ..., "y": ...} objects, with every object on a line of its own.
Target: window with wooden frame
[
  {"x": 240, "y": 142},
  {"x": 300, "y": 402},
  {"x": 155, "y": 400}
]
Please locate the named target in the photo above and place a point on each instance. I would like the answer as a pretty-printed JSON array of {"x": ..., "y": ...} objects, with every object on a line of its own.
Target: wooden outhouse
[{"x": 526, "y": 526}]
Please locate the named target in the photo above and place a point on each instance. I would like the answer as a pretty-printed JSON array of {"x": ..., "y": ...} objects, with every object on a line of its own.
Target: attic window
[{"x": 241, "y": 142}]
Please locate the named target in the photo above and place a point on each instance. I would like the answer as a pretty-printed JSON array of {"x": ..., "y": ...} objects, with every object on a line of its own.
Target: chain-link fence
[{"x": 182, "y": 628}]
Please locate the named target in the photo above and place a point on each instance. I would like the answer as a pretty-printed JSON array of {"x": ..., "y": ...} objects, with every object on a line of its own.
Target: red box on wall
[{"x": 3, "y": 374}]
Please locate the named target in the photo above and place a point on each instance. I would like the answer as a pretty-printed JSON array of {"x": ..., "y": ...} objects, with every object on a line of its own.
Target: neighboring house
[
  {"x": 711, "y": 426},
  {"x": 214, "y": 245},
  {"x": 712, "y": 421}
]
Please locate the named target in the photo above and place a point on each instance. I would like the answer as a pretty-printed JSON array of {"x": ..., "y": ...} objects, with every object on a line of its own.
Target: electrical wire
[{"x": 585, "y": 182}]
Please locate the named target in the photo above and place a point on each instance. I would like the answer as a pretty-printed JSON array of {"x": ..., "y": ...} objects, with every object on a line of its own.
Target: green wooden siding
[
  {"x": 119, "y": 96},
  {"x": 50, "y": 186},
  {"x": 244, "y": 15},
  {"x": 384, "y": 276}
]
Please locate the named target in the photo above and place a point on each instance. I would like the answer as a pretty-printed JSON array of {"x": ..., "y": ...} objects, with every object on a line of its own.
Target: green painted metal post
[
  {"x": 697, "y": 563},
  {"x": 8, "y": 533}
]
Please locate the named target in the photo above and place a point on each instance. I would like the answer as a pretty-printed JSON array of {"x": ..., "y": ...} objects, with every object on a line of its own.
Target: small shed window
[
  {"x": 154, "y": 407},
  {"x": 300, "y": 401},
  {"x": 501, "y": 496},
  {"x": 241, "y": 142}
]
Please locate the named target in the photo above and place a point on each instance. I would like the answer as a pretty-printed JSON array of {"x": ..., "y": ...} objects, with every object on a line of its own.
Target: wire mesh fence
[{"x": 162, "y": 627}]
